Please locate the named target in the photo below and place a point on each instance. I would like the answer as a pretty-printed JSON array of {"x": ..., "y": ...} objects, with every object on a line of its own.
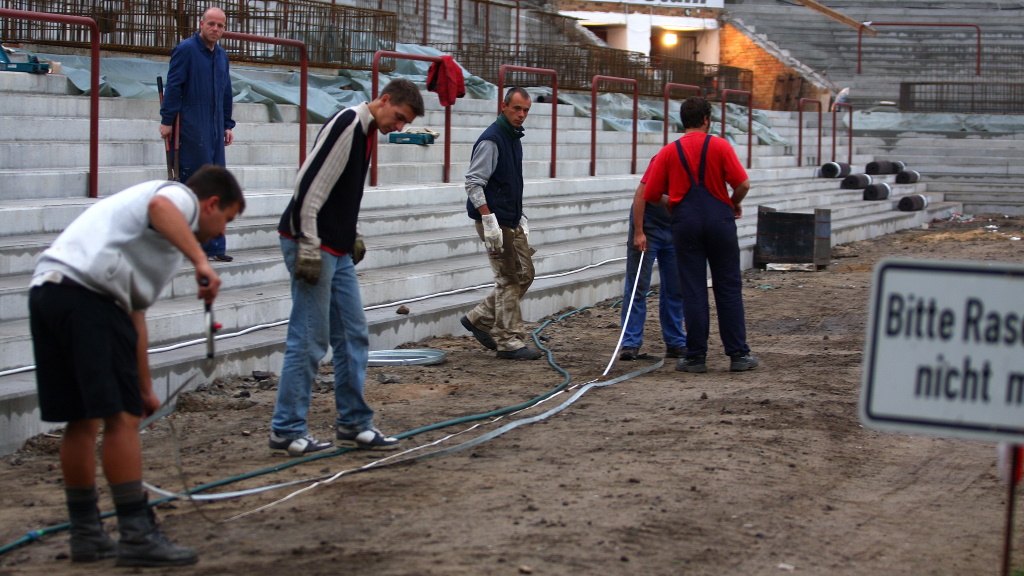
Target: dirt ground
[{"x": 666, "y": 473}]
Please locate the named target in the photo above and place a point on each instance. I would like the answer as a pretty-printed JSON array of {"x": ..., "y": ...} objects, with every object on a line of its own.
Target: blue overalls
[{"x": 704, "y": 232}]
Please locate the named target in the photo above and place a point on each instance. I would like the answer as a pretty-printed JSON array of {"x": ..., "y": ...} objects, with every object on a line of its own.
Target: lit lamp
[{"x": 670, "y": 39}]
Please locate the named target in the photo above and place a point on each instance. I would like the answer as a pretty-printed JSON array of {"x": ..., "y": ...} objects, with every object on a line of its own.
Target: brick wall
[{"x": 740, "y": 51}]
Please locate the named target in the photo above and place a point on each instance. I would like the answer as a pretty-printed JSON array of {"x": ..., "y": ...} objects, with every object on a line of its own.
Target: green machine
[{"x": 31, "y": 65}]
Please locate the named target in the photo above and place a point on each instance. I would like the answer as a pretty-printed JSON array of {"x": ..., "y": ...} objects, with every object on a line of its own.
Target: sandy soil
[{"x": 665, "y": 473}]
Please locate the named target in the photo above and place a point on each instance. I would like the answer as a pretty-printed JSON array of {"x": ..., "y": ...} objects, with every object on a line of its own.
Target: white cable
[
  {"x": 257, "y": 327},
  {"x": 629, "y": 310},
  {"x": 458, "y": 447}
]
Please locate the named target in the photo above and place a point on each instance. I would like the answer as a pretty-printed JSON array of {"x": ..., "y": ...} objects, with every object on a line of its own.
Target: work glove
[
  {"x": 492, "y": 233},
  {"x": 525, "y": 225},
  {"x": 358, "y": 250},
  {"x": 307, "y": 263}
]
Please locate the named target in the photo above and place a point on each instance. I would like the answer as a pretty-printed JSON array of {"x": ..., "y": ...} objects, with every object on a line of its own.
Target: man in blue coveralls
[
  {"x": 651, "y": 233},
  {"x": 199, "y": 91}
]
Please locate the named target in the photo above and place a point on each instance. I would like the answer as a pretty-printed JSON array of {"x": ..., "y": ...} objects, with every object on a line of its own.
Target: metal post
[
  {"x": 94, "y": 81},
  {"x": 445, "y": 172},
  {"x": 750, "y": 119},
  {"x": 593, "y": 117},
  {"x": 835, "y": 108},
  {"x": 800, "y": 139},
  {"x": 303, "y": 78}
]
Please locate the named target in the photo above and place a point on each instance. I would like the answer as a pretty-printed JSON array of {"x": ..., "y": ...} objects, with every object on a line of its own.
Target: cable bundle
[{"x": 879, "y": 191}]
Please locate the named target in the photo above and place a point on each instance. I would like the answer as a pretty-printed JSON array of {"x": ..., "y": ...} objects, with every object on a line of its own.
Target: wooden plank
[{"x": 841, "y": 18}]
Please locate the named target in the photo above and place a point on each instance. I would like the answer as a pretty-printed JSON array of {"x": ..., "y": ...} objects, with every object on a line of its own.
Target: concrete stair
[
  {"x": 422, "y": 250},
  {"x": 981, "y": 170},
  {"x": 898, "y": 53}
]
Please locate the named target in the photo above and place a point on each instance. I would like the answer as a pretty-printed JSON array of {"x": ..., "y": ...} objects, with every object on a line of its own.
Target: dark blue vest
[{"x": 504, "y": 190}]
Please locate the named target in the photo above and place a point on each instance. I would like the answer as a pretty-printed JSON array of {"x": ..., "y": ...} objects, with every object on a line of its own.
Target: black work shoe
[
  {"x": 89, "y": 541},
  {"x": 743, "y": 362},
  {"x": 482, "y": 337},
  {"x": 693, "y": 364},
  {"x": 523, "y": 353},
  {"x": 142, "y": 545},
  {"x": 629, "y": 353},
  {"x": 675, "y": 352},
  {"x": 369, "y": 439},
  {"x": 223, "y": 258}
]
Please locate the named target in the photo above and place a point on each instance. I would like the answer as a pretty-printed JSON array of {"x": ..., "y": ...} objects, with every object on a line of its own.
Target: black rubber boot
[
  {"x": 143, "y": 545},
  {"x": 89, "y": 541}
]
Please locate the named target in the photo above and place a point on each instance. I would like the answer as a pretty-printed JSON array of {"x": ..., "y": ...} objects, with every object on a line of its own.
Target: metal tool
[
  {"x": 211, "y": 327},
  {"x": 32, "y": 65},
  {"x": 172, "y": 160},
  {"x": 168, "y": 404}
]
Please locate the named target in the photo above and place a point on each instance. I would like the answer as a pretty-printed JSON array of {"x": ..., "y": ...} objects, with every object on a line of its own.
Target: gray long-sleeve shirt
[{"x": 481, "y": 166}]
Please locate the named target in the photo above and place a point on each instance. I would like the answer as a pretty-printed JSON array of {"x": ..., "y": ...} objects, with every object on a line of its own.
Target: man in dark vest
[{"x": 494, "y": 183}]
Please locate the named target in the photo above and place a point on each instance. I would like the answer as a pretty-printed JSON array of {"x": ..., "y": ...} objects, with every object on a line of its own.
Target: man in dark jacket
[
  {"x": 321, "y": 249},
  {"x": 495, "y": 187},
  {"x": 198, "y": 92}
]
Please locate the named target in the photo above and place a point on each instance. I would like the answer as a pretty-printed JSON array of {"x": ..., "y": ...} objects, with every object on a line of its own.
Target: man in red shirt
[{"x": 690, "y": 177}]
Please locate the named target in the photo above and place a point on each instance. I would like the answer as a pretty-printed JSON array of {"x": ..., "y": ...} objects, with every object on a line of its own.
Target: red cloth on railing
[{"x": 445, "y": 78}]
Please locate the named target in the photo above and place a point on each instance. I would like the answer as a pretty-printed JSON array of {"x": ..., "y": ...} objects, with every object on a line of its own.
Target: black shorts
[{"x": 85, "y": 353}]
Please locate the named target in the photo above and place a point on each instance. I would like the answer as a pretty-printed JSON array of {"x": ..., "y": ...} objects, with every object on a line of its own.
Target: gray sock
[
  {"x": 127, "y": 492},
  {"x": 81, "y": 494}
]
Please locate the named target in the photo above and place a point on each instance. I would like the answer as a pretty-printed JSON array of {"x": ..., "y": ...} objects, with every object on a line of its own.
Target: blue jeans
[
  {"x": 216, "y": 247},
  {"x": 329, "y": 311},
  {"x": 670, "y": 295}
]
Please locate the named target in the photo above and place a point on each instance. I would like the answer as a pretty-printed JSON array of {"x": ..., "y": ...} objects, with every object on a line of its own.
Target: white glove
[
  {"x": 307, "y": 262},
  {"x": 525, "y": 225},
  {"x": 492, "y": 233}
]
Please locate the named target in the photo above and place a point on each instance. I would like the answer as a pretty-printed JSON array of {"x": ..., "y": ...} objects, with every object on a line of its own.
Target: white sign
[{"x": 944, "y": 352}]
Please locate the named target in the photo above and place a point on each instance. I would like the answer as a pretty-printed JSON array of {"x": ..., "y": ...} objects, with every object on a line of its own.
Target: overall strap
[
  {"x": 703, "y": 160},
  {"x": 686, "y": 166}
]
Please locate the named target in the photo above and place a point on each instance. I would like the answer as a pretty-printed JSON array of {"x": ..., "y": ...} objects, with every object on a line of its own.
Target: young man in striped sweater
[{"x": 321, "y": 248}]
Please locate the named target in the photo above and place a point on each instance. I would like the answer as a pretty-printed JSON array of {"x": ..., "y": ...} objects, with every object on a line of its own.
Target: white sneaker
[{"x": 297, "y": 446}]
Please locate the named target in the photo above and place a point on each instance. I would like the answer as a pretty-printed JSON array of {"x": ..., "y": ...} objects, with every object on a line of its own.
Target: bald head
[{"x": 212, "y": 26}]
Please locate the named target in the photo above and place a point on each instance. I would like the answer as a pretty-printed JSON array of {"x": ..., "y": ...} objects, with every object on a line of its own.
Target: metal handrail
[
  {"x": 94, "y": 81},
  {"x": 860, "y": 30},
  {"x": 554, "y": 100},
  {"x": 447, "y": 112},
  {"x": 593, "y": 118},
  {"x": 303, "y": 75},
  {"x": 750, "y": 119},
  {"x": 835, "y": 108},
  {"x": 800, "y": 129},
  {"x": 668, "y": 90}
]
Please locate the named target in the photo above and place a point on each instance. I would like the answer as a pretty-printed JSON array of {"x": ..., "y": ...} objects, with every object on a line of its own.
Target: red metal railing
[
  {"x": 554, "y": 100},
  {"x": 94, "y": 81},
  {"x": 668, "y": 90},
  {"x": 835, "y": 108},
  {"x": 750, "y": 119},
  {"x": 860, "y": 30},
  {"x": 593, "y": 118},
  {"x": 303, "y": 75},
  {"x": 447, "y": 112},
  {"x": 800, "y": 127}
]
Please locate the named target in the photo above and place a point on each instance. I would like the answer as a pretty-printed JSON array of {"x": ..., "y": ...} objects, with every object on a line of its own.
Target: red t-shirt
[{"x": 666, "y": 174}]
